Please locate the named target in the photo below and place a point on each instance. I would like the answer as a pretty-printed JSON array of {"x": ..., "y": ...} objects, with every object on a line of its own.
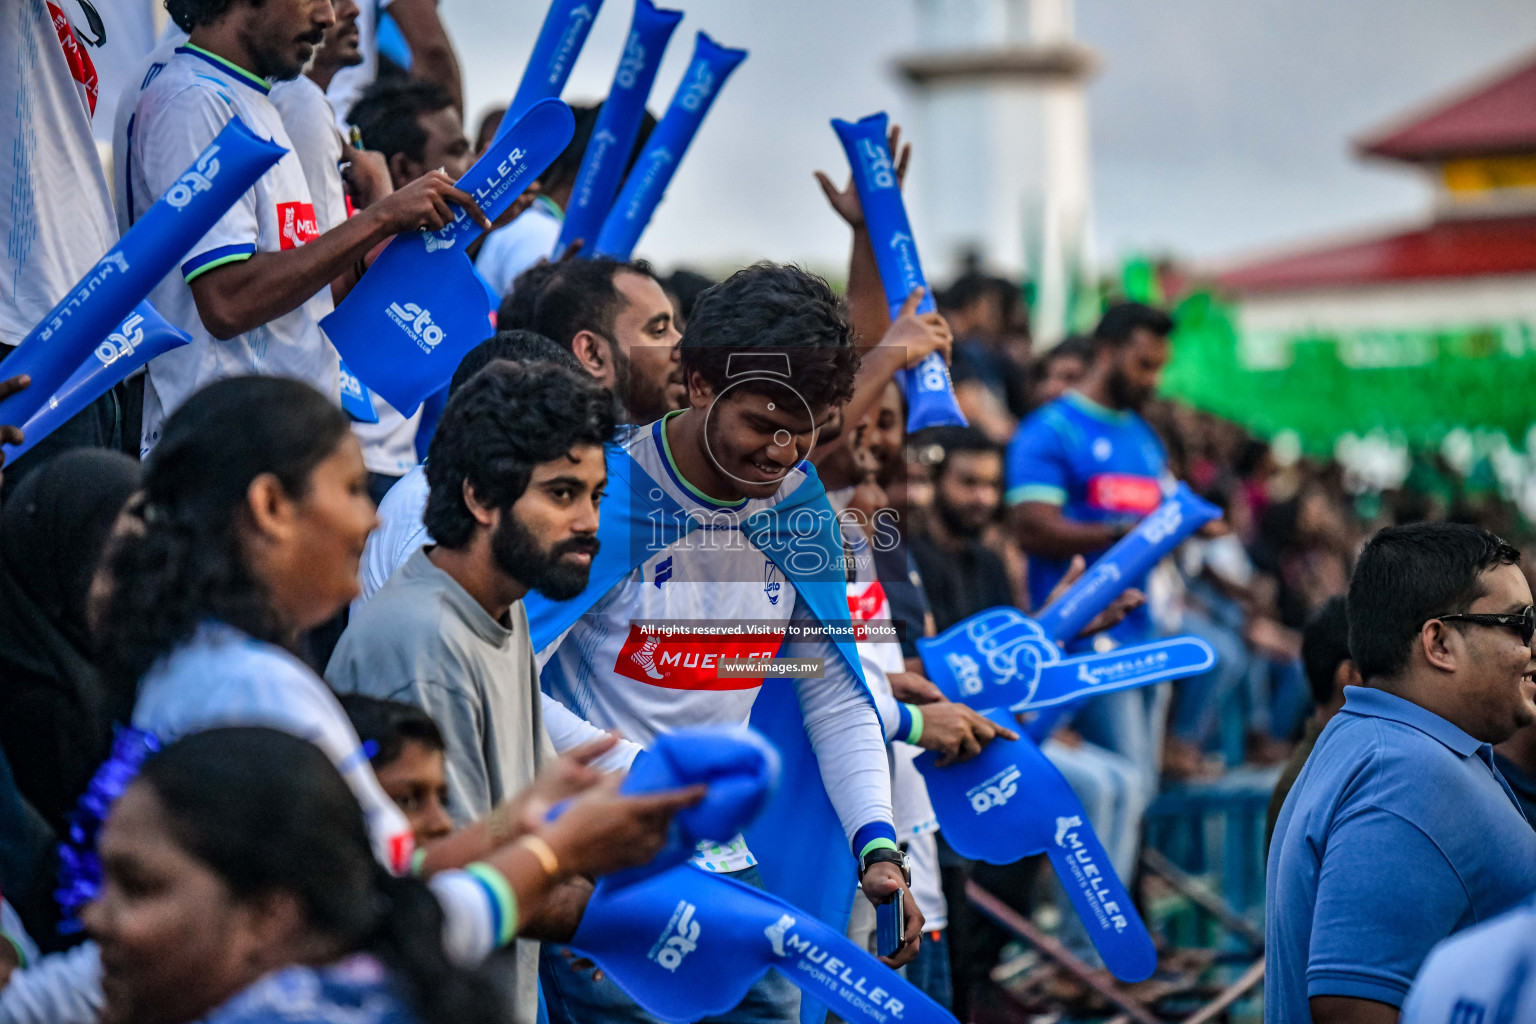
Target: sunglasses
[{"x": 1523, "y": 623}]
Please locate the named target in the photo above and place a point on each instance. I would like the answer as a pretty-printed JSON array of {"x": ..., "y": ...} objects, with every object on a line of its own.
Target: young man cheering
[{"x": 713, "y": 514}]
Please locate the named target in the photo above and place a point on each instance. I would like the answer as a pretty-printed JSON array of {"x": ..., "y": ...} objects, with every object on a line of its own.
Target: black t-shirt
[{"x": 960, "y": 583}]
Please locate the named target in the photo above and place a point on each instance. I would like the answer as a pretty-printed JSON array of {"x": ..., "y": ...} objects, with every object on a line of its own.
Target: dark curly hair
[
  {"x": 268, "y": 812},
  {"x": 780, "y": 309},
  {"x": 187, "y": 563},
  {"x": 188, "y": 14},
  {"x": 502, "y": 423},
  {"x": 514, "y": 347}
]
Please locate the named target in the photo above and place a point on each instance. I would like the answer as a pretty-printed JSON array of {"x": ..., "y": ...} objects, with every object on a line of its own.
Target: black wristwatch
[{"x": 886, "y": 855}]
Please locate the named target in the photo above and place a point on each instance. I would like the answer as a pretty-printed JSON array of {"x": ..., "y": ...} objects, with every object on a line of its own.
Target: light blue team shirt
[
  {"x": 1098, "y": 465},
  {"x": 1398, "y": 832},
  {"x": 1485, "y": 975}
]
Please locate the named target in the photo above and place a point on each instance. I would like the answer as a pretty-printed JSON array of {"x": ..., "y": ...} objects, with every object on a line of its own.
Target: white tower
[{"x": 1003, "y": 169}]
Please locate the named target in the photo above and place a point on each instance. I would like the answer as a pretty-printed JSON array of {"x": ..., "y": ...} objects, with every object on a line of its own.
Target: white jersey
[
  {"x": 1483, "y": 975},
  {"x": 186, "y": 104},
  {"x": 119, "y": 33},
  {"x": 389, "y": 446},
  {"x": 615, "y": 674},
  {"x": 56, "y": 215},
  {"x": 399, "y": 535},
  {"x": 348, "y": 83}
]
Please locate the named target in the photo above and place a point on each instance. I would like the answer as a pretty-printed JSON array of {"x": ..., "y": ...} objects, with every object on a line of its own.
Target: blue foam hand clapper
[
  {"x": 1011, "y": 802},
  {"x": 101, "y": 300},
  {"x": 688, "y": 944},
  {"x": 618, "y": 122},
  {"x": 1001, "y": 658},
  {"x": 420, "y": 307},
  {"x": 1132, "y": 557},
  {"x": 141, "y": 336},
  {"x": 712, "y": 64},
  {"x": 930, "y": 396},
  {"x": 554, "y": 54},
  {"x": 741, "y": 769}
]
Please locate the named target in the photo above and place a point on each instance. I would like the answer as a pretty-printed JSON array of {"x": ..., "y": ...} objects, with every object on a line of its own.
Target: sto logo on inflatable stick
[
  {"x": 618, "y": 122},
  {"x": 420, "y": 307},
  {"x": 1010, "y": 801},
  {"x": 930, "y": 396},
  {"x": 141, "y": 336},
  {"x": 560, "y": 40},
  {"x": 101, "y": 300},
  {"x": 712, "y": 64}
]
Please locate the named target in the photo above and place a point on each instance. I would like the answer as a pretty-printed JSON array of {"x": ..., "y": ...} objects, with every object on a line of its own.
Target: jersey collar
[
  {"x": 659, "y": 429},
  {"x": 550, "y": 207},
  {"x": 1088, "y": 406},
  {"x": 230, "y": 68}
]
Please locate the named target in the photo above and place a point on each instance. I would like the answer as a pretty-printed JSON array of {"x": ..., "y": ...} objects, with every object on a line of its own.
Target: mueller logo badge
[
  {"x": 996, "y": 791},
  {"x": 296, "y": 224},
  {"x": 1088, "y": 875},
  {"x": 679, "y": 938},
  {"x": 198, "y": 179},
  {"x": 682, "y": 662},
  {"x": 776, "y": 933},
  {"x": 417, "y": 322},
  {"x": 1124, "y": 492},
  {"x": 771, "y": 582}
]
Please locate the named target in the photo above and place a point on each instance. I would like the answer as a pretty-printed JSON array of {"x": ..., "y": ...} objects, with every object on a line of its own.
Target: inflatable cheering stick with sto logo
[
  {"x": 930, "y": 396},
  {"x": 420, "y": 307},
  {"x": 141, "y": 336},
  {"x": 560, "y": 40},
  {"x": 618, "y": 122},
  {"x": 689, "y": 944},
  {"x": 100, "y": 302},
  {"x": 1010, "y": 801},
  {"x": 712, "y": 64}
]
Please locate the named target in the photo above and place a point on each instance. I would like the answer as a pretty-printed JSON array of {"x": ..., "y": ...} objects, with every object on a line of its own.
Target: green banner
[{"x": 1418, "y": 384}]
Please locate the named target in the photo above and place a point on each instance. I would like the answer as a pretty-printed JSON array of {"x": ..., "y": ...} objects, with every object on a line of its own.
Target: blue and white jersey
[
  {"x": 183, "y": 106},
  {"x": 1099, "y": 466},
  {"x": 617, "y": 673}
]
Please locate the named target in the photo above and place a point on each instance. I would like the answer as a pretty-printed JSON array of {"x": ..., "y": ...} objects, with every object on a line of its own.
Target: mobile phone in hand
[{"x": 891, "y": 924}]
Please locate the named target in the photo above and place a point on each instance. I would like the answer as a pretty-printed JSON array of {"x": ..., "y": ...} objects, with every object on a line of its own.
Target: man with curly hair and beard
[{"x": 515, "y": 473}]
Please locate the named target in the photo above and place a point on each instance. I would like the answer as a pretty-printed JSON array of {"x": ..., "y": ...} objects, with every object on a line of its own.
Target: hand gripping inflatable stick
[
  {"x": 560, "y": 40},
  {"x": 602, "y": 165},
  {"x": 141, "y": 336},
  {"x": 101, "y": 300},
  {"x": 930, "y": 397},
  {"x": 712, "y": 64},
  {"x": 420, "y": 307},
  {"x": 1010, "y": 801}
]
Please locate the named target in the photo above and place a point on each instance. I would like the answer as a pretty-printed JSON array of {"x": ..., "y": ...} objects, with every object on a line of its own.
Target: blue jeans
[
  {"x": 574, "y": 997},
  {"x": 930, "y": 971}
]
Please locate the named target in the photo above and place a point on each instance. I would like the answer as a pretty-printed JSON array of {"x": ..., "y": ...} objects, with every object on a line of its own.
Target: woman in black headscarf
[{"x": 56, "y": 713}]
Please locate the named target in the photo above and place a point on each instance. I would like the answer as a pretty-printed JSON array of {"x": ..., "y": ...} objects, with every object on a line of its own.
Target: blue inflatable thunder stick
[
  {"x": 141, "y": 336},
  {"x": 1010, "y": 801},
  {"x": 712, "y": 64},
  {"x": 930, "y": 396},
  {"x": 554, "y": 54},
  {"x": 101, "y": 300},
  {"x": 618, "y": 122},
  {"x": 420, "y": 307},
  {"x": 356, "y": 401},
  {"x": 688, "y": 944}
]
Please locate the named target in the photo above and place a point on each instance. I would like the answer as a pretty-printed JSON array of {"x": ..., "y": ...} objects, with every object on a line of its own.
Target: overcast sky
[{"x": 1217, "y": 128}]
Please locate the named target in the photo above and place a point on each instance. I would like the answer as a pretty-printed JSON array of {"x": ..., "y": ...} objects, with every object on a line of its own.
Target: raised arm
[{"x": 432, "y": 55}]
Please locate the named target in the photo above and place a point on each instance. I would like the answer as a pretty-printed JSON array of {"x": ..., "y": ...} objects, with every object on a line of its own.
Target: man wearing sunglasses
[{"x": 1400, "y": 831}]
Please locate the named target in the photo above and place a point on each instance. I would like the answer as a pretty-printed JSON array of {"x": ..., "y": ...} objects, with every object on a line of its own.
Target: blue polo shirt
[
  {"x": 1398, "y": 832},
  {"x": 1100, "y": 466}
]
